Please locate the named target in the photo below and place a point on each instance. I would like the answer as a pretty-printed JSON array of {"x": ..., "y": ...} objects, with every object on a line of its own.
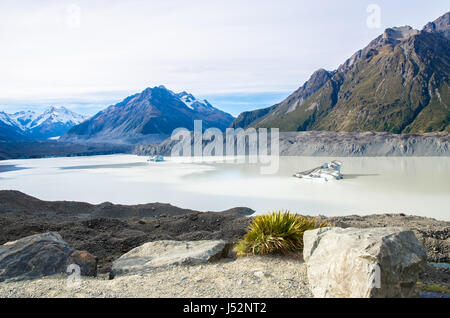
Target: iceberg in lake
[
  {"x": 328, "y": 171},
  {"x": 156, "y": 159}
]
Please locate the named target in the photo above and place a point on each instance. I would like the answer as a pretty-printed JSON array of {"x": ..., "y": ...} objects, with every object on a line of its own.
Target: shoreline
[
  {"x": 337, "y": 144},
  {"x": 124, "y": 227},
  {"x": 305, "y": 143},
  {"x": 208, "y": 159}
]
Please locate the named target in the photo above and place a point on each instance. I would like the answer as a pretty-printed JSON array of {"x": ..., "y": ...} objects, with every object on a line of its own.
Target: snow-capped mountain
[
  {"x": 6, "y": 119},
  {"x": 193, "y": 103},
  {"x": 23, "y": 119},
  {"x": 53, "y": 122},
  {"x": 8, "y": 128},
  {"x": 153, "y": 113}
]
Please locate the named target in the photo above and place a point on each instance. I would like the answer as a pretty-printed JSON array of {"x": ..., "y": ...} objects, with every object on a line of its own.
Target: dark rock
[
  {"x": 108, "y": 231},
  {"x": 41, "y": 255}
]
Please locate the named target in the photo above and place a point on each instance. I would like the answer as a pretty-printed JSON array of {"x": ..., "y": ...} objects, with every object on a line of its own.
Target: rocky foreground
[
  {"x": 109, "y": 231},
  {"x": 256, "y": 277}
]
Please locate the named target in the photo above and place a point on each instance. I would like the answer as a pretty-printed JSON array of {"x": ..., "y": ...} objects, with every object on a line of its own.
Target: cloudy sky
[{"x": 239, "y": 54}]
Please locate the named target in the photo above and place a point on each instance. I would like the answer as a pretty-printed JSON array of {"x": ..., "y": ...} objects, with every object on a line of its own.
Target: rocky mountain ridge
[
  {"x": 398, "y": 83},
  {"x": 53, "y": 122}
]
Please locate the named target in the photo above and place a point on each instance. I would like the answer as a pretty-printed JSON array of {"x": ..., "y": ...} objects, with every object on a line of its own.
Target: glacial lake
[{"x": 417, "y": 186}]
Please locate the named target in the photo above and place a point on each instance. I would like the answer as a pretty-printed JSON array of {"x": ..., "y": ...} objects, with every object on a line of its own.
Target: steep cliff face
[
  {"x": 295, "y": 100},
  {"x": 440, "y": 26},
  {"x": 338, "y": 144},
  {"x": 399, "y": 83}
]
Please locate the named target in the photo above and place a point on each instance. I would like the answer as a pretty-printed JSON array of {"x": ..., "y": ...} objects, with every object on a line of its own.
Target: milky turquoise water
[{"x": 418, "y": 186}]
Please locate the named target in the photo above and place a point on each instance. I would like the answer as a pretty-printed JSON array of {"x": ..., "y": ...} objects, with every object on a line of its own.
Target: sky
[{"x": 238, "y": 54}]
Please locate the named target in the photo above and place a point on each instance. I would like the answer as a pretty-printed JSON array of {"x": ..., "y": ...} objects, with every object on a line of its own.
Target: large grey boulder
[
  {"x": 166, "y": 253},
  {"x": 363, "y": 263},
  {"x": 42, "y": 255}
]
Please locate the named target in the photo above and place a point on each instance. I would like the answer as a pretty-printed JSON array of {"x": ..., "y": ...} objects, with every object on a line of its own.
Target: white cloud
[{"x": 201, "y": 46}]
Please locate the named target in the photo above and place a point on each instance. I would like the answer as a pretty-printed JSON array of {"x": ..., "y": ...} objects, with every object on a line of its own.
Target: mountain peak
[
  {"x": 148, "y": 116},
  {"x": 50, "y": 110},
  {"x": 192, "y": 102},
  {"x": 184, "y": 93},
  {"x": 398, "y": 83},
  {"x": 391, "y": 37},
  {"x": 396, "y": 34},
  {"x": 162, "y": 87},
  {"x": 441, "y": 26},
  {"x": 147, "y": 93},
  {"x": 186, "y": 98},
  {"x": 50, "y": 123}
]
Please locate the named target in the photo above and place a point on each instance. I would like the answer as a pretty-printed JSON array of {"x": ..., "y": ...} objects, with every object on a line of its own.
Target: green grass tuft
[{"x": 276, "y": 233}]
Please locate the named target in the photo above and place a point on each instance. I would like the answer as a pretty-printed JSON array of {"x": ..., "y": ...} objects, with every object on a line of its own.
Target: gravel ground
[
  {"x": 109, "y": 231},
  {"x": 258, "y": 277}
]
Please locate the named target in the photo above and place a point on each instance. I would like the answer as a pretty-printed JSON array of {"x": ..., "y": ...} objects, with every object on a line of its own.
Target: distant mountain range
[
  {"x": 399, "y": 83},
  {"x": 29, "y": 125},
  {"x": 149, "y": 116}
]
